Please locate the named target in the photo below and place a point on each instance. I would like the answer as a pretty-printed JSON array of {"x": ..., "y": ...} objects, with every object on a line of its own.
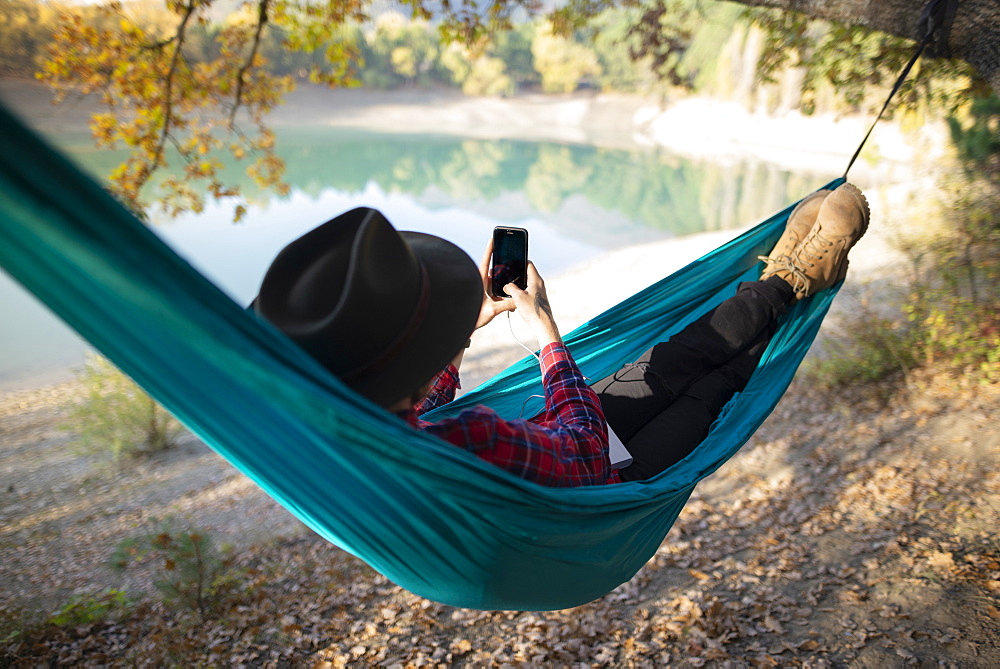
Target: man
[{"x": 385, "y": 311}]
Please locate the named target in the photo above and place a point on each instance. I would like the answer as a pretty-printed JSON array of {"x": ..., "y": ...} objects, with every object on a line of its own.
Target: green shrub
[
  {"x": 869, "y": 350},
  {"x": 116, "y": 415},
  {"x": 955, "y": 307},
  {"x": 977, "y": 139},
  {"x": 955, "y": 316},
  {"x": 951, "y": 319},
  {"x": 193, "y": 572},
  {"x": 87, "y": 609},
  {"x": 958, "y": 334}
]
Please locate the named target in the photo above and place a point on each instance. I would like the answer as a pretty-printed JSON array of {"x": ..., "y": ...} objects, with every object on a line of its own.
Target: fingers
[
  {"x": 492, "y": 308},
  {"x": 514, "y": 291},
  {"x": 497, "y": 305},
  {"x": 484, "y": 268},
  {"x": 484, "y": 264},
  {"x": 504, "y": 305},
  {"x": 534, "y": 283},
  {"x": 533, "y": 306},
  {"x": 534, "y": 278}
]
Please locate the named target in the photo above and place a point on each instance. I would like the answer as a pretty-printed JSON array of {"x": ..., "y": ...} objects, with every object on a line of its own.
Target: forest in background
[{"x": 770, "y": 60}]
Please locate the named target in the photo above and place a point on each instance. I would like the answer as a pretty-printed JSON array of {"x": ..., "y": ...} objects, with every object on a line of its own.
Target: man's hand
[
  {"x": 492, "y": 306},
  {"x": 532, "y": 303},
  {"x": 533, "y": 306}
]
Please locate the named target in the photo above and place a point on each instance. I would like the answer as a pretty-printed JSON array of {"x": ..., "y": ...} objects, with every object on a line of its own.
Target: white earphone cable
[{"x": 510, "y": 324}]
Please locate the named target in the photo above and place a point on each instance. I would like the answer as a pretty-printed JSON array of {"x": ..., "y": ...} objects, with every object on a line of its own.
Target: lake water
[{"x": 577, "y": 202}]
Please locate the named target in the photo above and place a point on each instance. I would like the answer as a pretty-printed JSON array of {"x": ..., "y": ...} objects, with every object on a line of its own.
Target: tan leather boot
[
  {"x": 800, "y": 222},
  {"x": 821, "y": 259}
]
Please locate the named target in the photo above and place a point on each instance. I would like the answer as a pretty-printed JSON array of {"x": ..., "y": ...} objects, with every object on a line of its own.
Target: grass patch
[{"x": 117, "y": 416}]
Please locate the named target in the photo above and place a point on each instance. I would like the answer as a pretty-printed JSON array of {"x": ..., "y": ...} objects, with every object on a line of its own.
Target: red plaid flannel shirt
[{"x": 564, "y": 446}]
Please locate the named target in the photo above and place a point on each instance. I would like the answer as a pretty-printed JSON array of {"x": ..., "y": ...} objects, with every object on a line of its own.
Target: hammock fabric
[{"x": 431, "y": 517}]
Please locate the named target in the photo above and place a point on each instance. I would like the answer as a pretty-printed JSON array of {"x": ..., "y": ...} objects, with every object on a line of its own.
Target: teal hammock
[{"x": 432, "y": 518}]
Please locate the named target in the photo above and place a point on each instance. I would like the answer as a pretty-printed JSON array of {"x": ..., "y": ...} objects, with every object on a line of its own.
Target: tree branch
[
  {"x": 168, "y": 112},
  {"x": 240, "y": 77}
]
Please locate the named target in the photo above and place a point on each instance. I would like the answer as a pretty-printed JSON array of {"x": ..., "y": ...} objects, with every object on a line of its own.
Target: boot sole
[{"x": 862, "y": 202}]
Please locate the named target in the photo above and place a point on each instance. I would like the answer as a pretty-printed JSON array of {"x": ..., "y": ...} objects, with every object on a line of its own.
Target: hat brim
[{"x": 454, "y": 301}]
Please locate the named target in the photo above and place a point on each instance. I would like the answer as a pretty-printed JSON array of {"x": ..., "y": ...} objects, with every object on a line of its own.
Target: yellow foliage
[
  {"x": 563, "y": 64},
  {"x": 156, "y": 98}
]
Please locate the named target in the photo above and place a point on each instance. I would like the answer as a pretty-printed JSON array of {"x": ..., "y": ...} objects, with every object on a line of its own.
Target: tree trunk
[{"x": 974, "y": 38}]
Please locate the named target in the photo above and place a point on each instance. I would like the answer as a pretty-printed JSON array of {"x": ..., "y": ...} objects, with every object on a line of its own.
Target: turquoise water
[{"x": 577, "y": 202}]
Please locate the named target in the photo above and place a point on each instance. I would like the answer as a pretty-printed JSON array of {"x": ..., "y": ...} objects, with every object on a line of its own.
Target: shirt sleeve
[
  {"x": 565, "y": 446},
  {"x": 570, "y": 400},
  {"x": 442, "y": 390}
]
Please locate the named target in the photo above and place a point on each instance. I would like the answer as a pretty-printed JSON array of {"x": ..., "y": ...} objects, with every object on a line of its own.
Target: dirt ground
[{"x": 848, "y": 532}]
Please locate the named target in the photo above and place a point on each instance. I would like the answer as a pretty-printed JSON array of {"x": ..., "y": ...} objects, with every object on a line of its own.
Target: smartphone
[{"x": 510, "y": 260}]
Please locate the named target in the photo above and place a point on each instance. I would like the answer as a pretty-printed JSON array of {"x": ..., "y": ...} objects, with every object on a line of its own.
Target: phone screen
[{"x": 510, "y": 259}]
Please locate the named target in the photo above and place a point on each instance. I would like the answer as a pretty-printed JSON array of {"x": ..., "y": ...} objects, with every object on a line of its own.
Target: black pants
[{"x": 662, "y": 405}]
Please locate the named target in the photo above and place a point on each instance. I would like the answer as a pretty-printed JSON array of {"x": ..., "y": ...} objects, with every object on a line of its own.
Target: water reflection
[{"x": 630, "y": 195}]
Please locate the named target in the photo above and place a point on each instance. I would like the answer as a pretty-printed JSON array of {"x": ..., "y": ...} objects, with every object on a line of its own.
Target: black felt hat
[{"x": 383, "y": 310}]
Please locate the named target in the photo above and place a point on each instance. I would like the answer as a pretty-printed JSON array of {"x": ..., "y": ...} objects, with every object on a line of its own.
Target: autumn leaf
[
  {"x": 941, "y": 560},
  {"x": 774, "y": 625}
]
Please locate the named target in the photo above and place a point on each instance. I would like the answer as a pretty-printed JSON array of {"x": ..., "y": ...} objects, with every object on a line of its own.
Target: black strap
[
  {"x": 935, "y": 23},
  {"x": 936, "y": 20}
]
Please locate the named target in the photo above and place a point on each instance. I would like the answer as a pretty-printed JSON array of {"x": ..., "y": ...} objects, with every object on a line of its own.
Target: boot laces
[
  {"x": 791, "y": 270},
  {"x": 814, "y": 246}
]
